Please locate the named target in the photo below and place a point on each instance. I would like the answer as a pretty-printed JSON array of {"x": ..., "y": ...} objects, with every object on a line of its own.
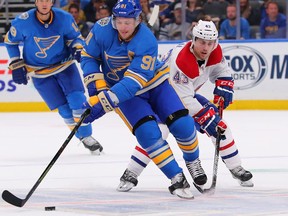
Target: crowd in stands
[{"x": 259, "y": 19}]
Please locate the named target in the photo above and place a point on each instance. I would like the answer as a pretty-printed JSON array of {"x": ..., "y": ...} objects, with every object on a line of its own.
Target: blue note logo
[
  {"x": 249, "y": 66},
  {"x": 45, "y": 44}
]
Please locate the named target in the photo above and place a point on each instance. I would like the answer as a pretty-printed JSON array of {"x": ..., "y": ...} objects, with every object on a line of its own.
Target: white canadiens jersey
[{"x": 187, "y": 77}]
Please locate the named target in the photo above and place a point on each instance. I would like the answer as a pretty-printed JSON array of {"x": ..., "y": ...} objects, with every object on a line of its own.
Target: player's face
[
  {"x": 44, "y": 6},
  {"x": 125, "y": 26},
  {"x": 203, "y": 48}
]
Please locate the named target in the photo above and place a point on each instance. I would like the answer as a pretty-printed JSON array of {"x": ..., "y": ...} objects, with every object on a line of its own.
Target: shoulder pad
[
  {"x": 215, "y": 56},
  {"x": 186, "y": 62}
]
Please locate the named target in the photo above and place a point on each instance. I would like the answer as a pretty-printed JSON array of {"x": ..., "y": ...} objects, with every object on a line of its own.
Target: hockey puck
[{"x": 50, "y": 208}]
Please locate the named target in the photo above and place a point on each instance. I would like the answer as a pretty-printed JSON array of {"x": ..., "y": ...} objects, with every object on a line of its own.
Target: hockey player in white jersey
[{"x": 191, "y": 64}]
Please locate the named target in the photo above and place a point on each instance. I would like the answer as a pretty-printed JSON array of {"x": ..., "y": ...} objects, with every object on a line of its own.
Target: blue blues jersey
[
  {"x": 229, "y": 32},
  {"x": 43, "y": 43},
  {"x": 127, "y": 66},
  {"x": 273, "y": 29}
]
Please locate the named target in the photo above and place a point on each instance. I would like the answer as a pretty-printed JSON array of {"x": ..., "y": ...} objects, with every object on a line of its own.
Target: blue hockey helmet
[{"x": 127, "y": 9}]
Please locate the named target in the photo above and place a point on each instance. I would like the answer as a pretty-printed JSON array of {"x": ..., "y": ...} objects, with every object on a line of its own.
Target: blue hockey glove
[
  {"x": 209, "y": 121},
  {"x": 224, "y": 89},
  {"x": 99, "y": 105},
  {"x": 76, "y": 53},
  {"x": 19, "y": 71},
  {"x": 95, "y": 83}
]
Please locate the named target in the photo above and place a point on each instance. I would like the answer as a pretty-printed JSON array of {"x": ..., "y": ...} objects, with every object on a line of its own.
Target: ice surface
[{"x": 84, "y": 184}]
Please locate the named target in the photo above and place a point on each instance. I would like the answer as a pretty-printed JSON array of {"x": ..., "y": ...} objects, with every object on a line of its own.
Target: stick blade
[
  {"x": 12, "y": 199},
  {"x": 198, "y": 187},
  {"x": 209, "y": 191}
]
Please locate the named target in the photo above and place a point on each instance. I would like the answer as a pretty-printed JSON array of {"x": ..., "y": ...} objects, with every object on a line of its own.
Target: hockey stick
[
  {"x": 12, "y": 199},
  {"x": 211, "y": 189},
  {"x": 153, "y": 17}
]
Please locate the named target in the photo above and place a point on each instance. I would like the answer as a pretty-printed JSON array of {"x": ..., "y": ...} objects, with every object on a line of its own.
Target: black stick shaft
[
  {"x": 216, "y": 156},
  {"x": 12, "y": 199}
]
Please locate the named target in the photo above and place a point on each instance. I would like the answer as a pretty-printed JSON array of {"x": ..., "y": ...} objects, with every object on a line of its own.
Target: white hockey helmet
[{"x": 205, "y": 30}]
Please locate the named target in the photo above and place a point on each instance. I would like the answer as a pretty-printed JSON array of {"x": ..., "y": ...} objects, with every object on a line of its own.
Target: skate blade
[
  {"x": 183, "y": 193},
  {"x": 248, "y": 183},
  {"x": 125, "y": 186},
  {"x": 96, "y": 152}
]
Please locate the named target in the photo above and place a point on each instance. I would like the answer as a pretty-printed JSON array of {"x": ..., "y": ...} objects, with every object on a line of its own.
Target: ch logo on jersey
[
  {"x": 117, "y": 65},
  {"x": 45, "y": 44}
]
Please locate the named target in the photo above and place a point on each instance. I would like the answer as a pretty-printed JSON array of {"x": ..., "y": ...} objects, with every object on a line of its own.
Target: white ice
[{"x": 84, "y": 184}]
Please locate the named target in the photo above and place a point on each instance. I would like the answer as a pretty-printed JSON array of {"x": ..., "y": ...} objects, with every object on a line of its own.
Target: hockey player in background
[
  {"x": 50, "y": 37},
  {"x": 191, "y": 65},
  {"x": 120, "y": 54}
]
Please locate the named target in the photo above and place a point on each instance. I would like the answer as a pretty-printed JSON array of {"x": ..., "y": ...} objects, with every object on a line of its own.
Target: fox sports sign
[{"x": 249, "y": 67}]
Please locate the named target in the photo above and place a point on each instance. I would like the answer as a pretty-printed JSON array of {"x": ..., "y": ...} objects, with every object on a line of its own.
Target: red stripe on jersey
[
  {"x": 227, "y": 146},
  {"x": 141, "y": 150},
  {"x": 215, "y": 56},
  {"x": 187, "y": 63}
]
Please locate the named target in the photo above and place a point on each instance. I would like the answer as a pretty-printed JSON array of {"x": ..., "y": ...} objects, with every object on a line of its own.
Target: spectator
[
  {"x": 1, "y": 38},
  {"x": 74, "y": 9},
  {"x": 263, "y": 9},
  {"x": 166, "y": 10},
  {"x": 252, "y": 14},
  {"x": 104, "y": 11},
  {"x": 110, "y": 3},
  {"x": 91, "y": 10},
  {"x": 216, "y": 8},
  {"x": 274, "y": 24},
  {"x": 228, "y": 27},
  {"x": 81, "y": 12},
  {"x": 145, "y": 16},
  {"x": 194, "y": 10},
  {"x": 173, "y": 29}
]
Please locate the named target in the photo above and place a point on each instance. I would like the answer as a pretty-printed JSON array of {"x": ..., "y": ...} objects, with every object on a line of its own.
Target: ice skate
[
  {"x": 127, "y": 181},
  {"x": 180, "y": 187},
  {"x": 243, "y": 176},
  {"x": 92, "y": 144},
  {"x": 197, "y": 172}
]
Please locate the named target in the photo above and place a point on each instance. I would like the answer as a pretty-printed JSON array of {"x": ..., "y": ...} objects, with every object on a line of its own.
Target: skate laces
[
  {"x": 89, "y": 141},
  {"x": 195, "y": 168}
]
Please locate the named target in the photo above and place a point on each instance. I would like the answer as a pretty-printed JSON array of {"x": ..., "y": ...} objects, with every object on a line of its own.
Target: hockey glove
[
  {"x": 224, "y": 89},
  {"x": 209, "y": 121},
  {"x": 95, "y": 83},
  {"x": 76, "y": 53},
  {"x": 99, "y": 105},
  {"x": 19, "y": 71}
]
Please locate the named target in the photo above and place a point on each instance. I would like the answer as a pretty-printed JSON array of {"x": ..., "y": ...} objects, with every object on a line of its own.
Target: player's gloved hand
[
  {"x": 95, "y": 83},
  {"x": 76, "y": 53},
  {"x": 224, "y": 89},
  {"x": 19, "y": 71},
  {"x": 99, "y": 105},
  {"x": 209, "y": 121}
]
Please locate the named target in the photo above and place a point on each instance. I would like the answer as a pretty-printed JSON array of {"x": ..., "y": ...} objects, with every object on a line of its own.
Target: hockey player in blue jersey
[
  {"x": 121, "y": 73},
  {"x": 50, "y": 36}
]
